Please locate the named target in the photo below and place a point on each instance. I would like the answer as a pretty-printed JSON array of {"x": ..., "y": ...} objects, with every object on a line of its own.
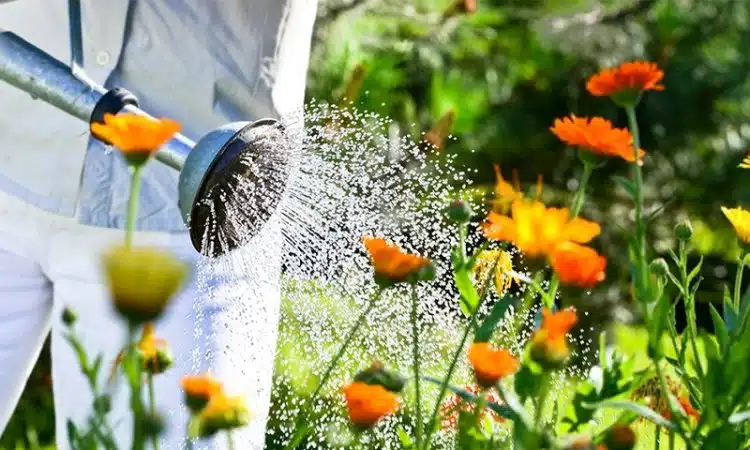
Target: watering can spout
[{"x": 231, "y": 180}]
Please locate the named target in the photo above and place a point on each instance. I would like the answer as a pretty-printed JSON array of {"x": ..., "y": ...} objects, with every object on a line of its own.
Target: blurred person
[{"x": 63, "y": 197}]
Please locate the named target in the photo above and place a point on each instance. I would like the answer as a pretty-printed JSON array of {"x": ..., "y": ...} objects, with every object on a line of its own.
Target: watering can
[{"x": 230, "y": 181}]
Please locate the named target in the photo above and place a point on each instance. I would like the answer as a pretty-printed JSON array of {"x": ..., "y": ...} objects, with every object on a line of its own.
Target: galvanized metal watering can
[{"x": 219, "y": 215}]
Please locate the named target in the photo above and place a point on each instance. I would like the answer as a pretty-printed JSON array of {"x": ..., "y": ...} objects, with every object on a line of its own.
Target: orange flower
[
  {"x": 628, "y": 78},
  {"x": 154, "y": 351},
  {"x": 449, "y": 408},
  {"x": 199, "y": 389},
  {"x": 132, "y": 133},
  {"x": 491, "y": 364},
  {"x": 392, "y": 264},
  {"x": 368, "y": 403},
  {"x": 596, "y": 135},
  {"x": 688, "y": 407},
  {"x": 549, "y": 344},
  {"x": 578, "y": 265},
  {"x": 537, "y": 230}
]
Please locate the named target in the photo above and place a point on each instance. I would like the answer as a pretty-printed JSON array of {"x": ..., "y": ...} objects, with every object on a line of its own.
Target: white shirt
[{"x": 201, "y": 62}]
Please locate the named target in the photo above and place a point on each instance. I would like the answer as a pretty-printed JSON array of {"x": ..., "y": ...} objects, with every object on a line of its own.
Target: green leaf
[
  {"x": 730, "y": 316},
  {"x": 696, "y": 270},
  {"x": 527, "y": 382},
  {"x": 489, "y": 324},
  {"x": 722, "y": 334},
  {"x": 626, "y": 184},
  {"x": 404, "y": 438},
  {"x": 465, "y": 286},
  {"x": 637, "y": 408},
  {"x": 739, "y": 417}
]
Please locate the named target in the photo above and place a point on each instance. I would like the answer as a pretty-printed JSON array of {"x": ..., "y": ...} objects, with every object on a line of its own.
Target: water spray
[{"x": 254, "y": 153}]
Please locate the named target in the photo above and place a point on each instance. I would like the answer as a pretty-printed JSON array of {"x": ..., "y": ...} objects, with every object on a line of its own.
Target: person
[{"x": 63, "y": 197}]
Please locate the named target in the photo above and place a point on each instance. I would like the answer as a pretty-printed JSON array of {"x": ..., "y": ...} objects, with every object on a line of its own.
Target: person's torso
[{"x": 202, "y": 63}]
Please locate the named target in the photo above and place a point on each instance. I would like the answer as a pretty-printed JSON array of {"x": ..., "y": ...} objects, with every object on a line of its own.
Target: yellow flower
[
  {"x": 223, "y": 413},
  {"x": 740, "y": 220},
  {"x": 505, "y": 193},
  {"x": 154, "y": 351},
  {"x": 199, "y": 389},
  {"x": 368, "y": 403},
  {"x": 503, "y": 267},
  {"x": 537, "y": 230},
  {"x": 745, "y": 164},
  {"x": 490, "y": 364},
  {"x": 142, "y": 281}
]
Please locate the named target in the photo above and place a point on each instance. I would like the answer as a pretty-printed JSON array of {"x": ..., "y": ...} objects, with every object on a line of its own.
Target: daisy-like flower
[
  {"x": 537, "y": 230},
  {"x": 740, "y": 220},
  {"x": 223, "y": 413},
  {"x": 549, "y": 344},
  {"x": 136, "y": 136},
  {"x": 142, "y": 281},
  {"x": 392, "y": 265},
  {"x": 199, "y": 389},
  {"x": 491, "y": 364},
  {"x": 625, "y": 83},
  {"x": 503, "y": 263},
  {"x": 596, "y": 135},
  {"x": 368, "y": 403},
  {"x": 578, "y": 265}
]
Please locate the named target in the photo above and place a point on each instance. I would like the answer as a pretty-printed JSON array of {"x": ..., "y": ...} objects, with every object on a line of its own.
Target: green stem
[
  {"x": 738, "y": 283},
  {"x": 135, "y": 188},
  {"x": 543, "y": 393},
  {"x": 152, "y": 407},
  {"x": 671, "y": 440},
  {"x": 230, "y": 441},
  {"x": 640, "y": 226},
  {"x": 657, "y": 431},
  {"x": 692, "y": 320},
  {"x": 134, "y": 377},
  {"x": 415, "y": 355},
  {"x": 332, "y": 365}
]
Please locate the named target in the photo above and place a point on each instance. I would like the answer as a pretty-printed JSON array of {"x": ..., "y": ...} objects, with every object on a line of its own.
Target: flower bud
[
  {"x": 659, "y": 267},
  {"x": 69, "y": 316},
  {"x": 683, "y": 230},
  {"x": 551, "y": 354},
  {"x": 199, "y": 389},
  {"x": 376, "y": 374},
  {"x": 459, "y": 211},
  {"x": 160, "y": 362},
  {"x": 620, "y": 437},
  {"x": 223, "y": 413},
  {"x": 153, "y": 425}
]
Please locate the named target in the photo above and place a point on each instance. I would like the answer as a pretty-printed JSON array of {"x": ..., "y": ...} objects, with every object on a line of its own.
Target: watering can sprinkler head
[{"x": 231, "y": 180}]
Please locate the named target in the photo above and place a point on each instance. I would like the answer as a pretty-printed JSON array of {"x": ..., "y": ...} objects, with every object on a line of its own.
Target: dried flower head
[{"x": 502, "y": 261}]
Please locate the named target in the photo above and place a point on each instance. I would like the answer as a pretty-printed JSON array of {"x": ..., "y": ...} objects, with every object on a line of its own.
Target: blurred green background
[{"x": 499, "y": 73}]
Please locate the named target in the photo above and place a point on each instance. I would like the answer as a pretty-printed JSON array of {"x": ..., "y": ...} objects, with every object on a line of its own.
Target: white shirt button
[{"x": 103, "y": 58}]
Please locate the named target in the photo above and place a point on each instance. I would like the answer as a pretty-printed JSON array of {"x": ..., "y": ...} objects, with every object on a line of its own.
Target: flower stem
[
  {"x": 135, "y": 188},
  {"x": 152, "y": 407},
  {"x": 415, "y": 354},
  {"x": 738, "y": 283},
  {"x": 640, "y": 226},
  {"x": 133, "y": 372},
  {"x": 230, "y": 441}
]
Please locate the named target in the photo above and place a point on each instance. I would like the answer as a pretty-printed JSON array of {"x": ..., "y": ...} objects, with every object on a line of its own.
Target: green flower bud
[
  {"x": 683, "y": 230},
  {"x": 69, "y": 316},
  {"x": 659, "y": 267},
  {"x": 620, "y": 437},
  {"x": 377, "y": 375},
  {"x": 459, "y": 211}
]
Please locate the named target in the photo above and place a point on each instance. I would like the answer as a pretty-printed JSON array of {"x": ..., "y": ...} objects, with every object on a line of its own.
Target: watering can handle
[{"x": 76, "y": 37}]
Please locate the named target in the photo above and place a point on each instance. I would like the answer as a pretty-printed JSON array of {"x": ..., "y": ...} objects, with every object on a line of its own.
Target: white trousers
[{"x": 224, "y": 322}]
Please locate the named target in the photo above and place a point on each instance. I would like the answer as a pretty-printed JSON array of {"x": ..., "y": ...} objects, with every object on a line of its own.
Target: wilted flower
[
  {"x": 537, "y": 230},
  {"x": 549, "y": 344},
  {"x": 449, "y": 408},
  {"x": 490, "y": 364},
  {"x": 393, "y": 265},
  {"x": 502, "y": 262},
  {"x": 625, "y": 83},
  {"x": 199, "y": 389},
  {"x": 223, "y": 413},
  {"x": 578, "y": 265},
  {"x": 154, "y": 351},
  {"x": 136, "y": 136},
  {"x": 368, "y": 403},
  {"x": 142, "y": 281},
  {"x": 596, "y": 135},
  {"x": 740, "y": 220}
]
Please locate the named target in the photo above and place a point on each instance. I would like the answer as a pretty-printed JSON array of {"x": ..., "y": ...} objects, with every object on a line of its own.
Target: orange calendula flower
[
  {"x": 154, "y": 351},
  {"x": 537, "y": 230},
  {"x": 491, "y": 364},
  {"x": 549, "y": 344},
  {"x": 223, "y": 413},
  {"x": 368, "y": 403},
  {"x": 393, "y": 265},
  {"x": 740, "y": 220},
  {"x": 134, "y": 135},
  {"x": 578, "y": 265},
  {"x": 596, "y": 135},
  {"x": 630, "y": 78},
  {"x": 199, "y": 389}
]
